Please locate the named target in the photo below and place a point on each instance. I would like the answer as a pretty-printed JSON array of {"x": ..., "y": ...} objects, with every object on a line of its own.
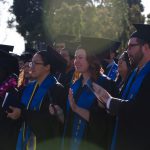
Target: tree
[{"x": 41, "y": 20}]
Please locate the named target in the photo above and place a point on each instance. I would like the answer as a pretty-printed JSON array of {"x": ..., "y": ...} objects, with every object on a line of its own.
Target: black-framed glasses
[{"x": 32, "y": 64}]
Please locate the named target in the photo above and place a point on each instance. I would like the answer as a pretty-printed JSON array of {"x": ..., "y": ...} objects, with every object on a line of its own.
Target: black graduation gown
[
  {"x": 9, "y": 128},
  {"x": 134, "y": 121},
  {"x": 100, "y": 126},
  {"x": 45, "y": 126},
  {"x": 95, "y": 132},
  {"x": 66, "y": 79}
]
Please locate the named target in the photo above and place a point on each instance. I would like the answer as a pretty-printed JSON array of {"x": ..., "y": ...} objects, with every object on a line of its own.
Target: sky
[{"x": 11, "y": 37}]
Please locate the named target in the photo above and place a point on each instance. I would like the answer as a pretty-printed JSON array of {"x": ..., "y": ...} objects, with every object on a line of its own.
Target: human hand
[
  {"x": 15, "y": 113},
  {"x": 57, "y": 110},
  {"x": 101, "y": 94}
]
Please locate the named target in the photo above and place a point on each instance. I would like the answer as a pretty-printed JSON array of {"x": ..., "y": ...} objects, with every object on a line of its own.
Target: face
[
  {"x": 135, "y": 52},
  {"x": 80, "y": 61},
  {"x": 21, "y": 64},
  {"x": 27, "y": 70},
  {"x": 38, "y": 69},
  {"x": 65, "y": 55},
  {"x": 122, "y": 66},
  {"x": 60, "y": 46}
]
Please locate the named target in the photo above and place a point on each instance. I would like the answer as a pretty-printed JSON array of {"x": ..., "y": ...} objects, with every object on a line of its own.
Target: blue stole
[
  {"x": 85, "y": 100},
  {"x": 33, "y": 103},
  {"x": 134, "y": 88},
  {"x": 137, "y": 83},
  {"x": 113, "y": 71}
]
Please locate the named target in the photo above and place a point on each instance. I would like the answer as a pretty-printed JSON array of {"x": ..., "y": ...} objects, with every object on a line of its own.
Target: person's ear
[{"x": 48, "y": 67}]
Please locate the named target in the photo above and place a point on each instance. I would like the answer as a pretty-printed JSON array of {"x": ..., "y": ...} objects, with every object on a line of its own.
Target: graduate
[
  {"x": 132, "y": 110},
  {"x": 9, "y": 70},
  {"x": 38, "y": 124},
  {"x": 85, "y": 124}
]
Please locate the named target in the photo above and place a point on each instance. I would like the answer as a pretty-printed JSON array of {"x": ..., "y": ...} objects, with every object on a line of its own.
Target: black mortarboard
[
  {"x": 99, "y": 46},
  {"x": 9, "y": 63},
  {"x": 6, "y": 48},
  {"x": 71, "y": 47},
  {"x": 142, "y": 32},
  {"x": 26, "y": 57},
  {"x": 57, "y": 62}
]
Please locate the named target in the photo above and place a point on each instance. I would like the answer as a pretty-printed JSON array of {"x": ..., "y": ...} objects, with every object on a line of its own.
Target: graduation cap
[
  {"x": 6, "y": 48},
  {"x": 8, "y": 63},
  {"x": 57, "y": 62},
  {"x": 99, "y": 46},
  {"x": 26, "y": 57},
  {"x": 142, "y": 32},
  {"x": 71, "y": 47}
]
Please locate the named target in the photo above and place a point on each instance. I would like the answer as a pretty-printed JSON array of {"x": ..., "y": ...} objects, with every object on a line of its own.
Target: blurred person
[
  {"x": 109, "y": 62},
  {"x": 25, "y": 75},
  {"x": 9, "y": 96},
  {"x": 124, "y": 70},
  {"x": 61, "y": 40},
  {"x": 66, "y": 77}
]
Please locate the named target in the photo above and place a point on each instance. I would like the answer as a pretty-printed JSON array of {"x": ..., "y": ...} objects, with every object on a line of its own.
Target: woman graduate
[
  {"x": 9, "y": 129},
  {"x": 82, "y": 103},
  {"x": 38, "y": 125}
]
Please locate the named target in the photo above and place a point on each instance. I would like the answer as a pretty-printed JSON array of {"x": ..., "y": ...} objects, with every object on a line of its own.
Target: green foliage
[
  {"x": 41, "y": 20},
  {"x": 107, "y": 20}
]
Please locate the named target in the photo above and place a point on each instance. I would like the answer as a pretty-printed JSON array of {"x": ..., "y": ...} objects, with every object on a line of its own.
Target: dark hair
[
  {"x": 54, "y": 59},
  {"x": 142, "y": 42},
  {"x": 45, "y": 57},
  {"x": 46, "y": 60}
]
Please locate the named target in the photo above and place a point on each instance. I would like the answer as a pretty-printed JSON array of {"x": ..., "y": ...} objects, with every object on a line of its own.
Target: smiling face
[{"x": 80, "y": 62}]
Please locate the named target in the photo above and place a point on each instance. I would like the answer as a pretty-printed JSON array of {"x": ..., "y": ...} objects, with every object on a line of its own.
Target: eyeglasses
[
  {"x": 133, "y": 45},
  {"x": 32, "y": 64}
]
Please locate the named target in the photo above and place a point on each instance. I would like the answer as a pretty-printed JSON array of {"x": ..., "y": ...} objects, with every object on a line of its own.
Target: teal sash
[
  {"x": 134, "y": 88},
  {"x": 85, "y": 100},
  {"x": 130, "y": 94},
  {"x": 33, "y": 104}
]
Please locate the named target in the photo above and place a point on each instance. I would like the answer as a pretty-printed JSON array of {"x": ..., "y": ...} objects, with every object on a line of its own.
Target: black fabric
[
  {"x": 44, "y": 125},
  {"x": 99, "y": 129},
  {"x": 57, "y": 62},
  {"x": 133, "y": 126},
  {"x": 9, "y": 64},
  {"x": 9, "y": 128},
  {"x": 6, "y": 48}
]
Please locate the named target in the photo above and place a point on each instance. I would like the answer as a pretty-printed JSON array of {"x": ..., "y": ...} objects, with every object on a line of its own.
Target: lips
[{"x": 78, "y": 67}]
